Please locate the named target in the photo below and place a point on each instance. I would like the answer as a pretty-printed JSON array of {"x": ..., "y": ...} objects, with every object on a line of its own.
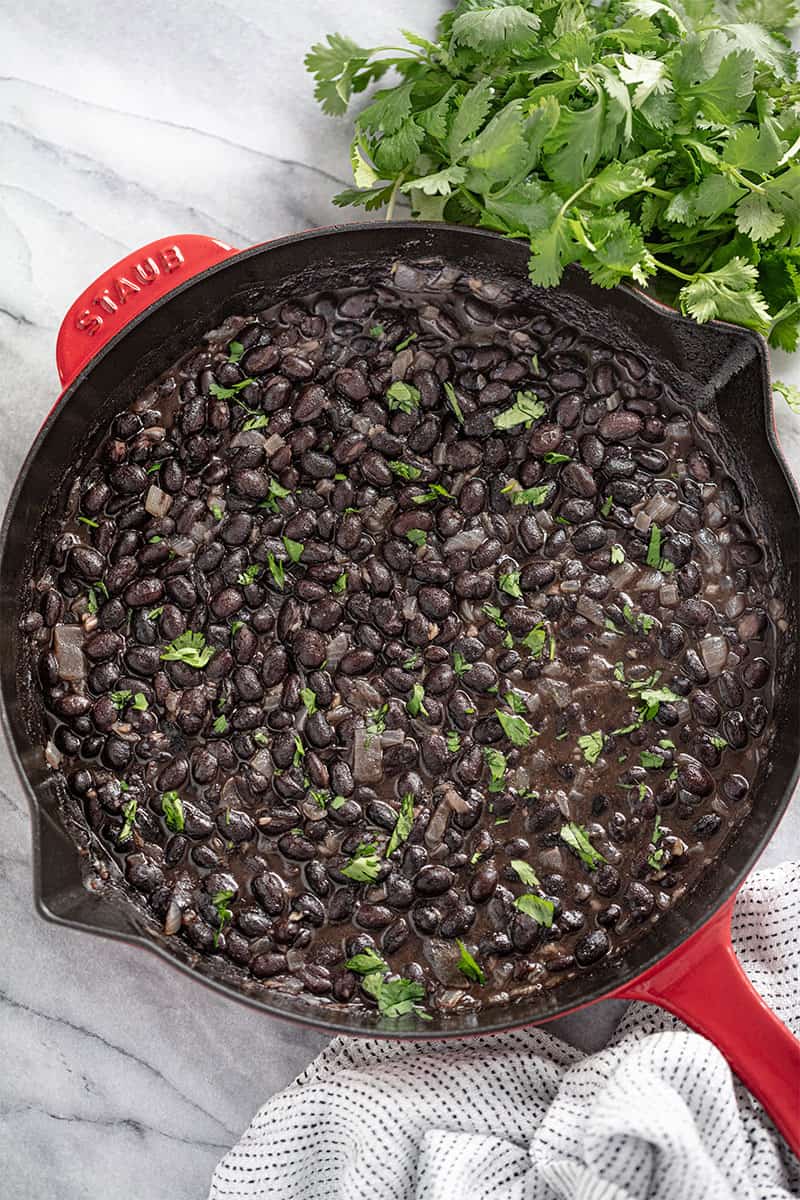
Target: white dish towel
[{"x": 656, "y": 1115}]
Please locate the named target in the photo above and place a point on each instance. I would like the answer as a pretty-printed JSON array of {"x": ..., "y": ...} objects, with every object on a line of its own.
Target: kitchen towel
[{"x": 655, "y": 1115}]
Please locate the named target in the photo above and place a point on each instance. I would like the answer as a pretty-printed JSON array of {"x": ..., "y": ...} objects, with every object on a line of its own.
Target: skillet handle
[
  {"x": 127, "y": 289},
  {"x": 704, "y": 984}
]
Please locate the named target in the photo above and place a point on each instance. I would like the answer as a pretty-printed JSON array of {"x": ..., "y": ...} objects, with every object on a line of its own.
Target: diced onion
[
  {"x": 661, "y": 507},
  {"x": 591, "y": 609},
  {"x": 367, "y": 756},
  {"x": 714, "y": 652},
  {"x": 157, "y": 502},
  {"x": 649, "y": 581},
  {"x": 622, "y": 574},
  {"x": 68, "y": 649}
]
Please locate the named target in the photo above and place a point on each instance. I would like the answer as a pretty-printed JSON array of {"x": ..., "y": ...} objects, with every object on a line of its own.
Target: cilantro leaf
[
  {"x": 404, "y": 824},
  {"x": 190, "y": 648},
  {"x": 496, "y": 762},
  {"x": 293, "y": 549},
  {"x": 366, "y": 962},
  {"x": 172, "y": 808},
  {"x": 525, "y": 873},
  {"x": 537, "y": 907},
  {"x": 415, "y": 703},
  {"x": 526, "y": 409},
  {"x": 592, "y": 745},
  {"x": 469, "y": 967},
  {"x": 576, "y": 837},
  {"x": 364, "y": 866},
  {"x": 516, "y": 728}
]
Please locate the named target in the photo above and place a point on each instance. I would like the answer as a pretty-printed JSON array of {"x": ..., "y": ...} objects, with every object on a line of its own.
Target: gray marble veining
[{"x": 120, "y": 123}]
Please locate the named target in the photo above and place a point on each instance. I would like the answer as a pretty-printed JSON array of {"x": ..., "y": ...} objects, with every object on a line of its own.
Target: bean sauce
[{"x": 404, "y": 634}]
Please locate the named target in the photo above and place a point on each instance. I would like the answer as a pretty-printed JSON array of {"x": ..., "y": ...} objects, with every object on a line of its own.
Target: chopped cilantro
[
  {"x": 403, "y": 825},
  {"x": 249, "y": 574},
  {"x": 364, "y": 866},
  {"x": 617, "y": 553},
  {"x": 415, "y": 704},
  {"x": 309, "y": 698},
  {"x": 417, "y": 537},
  {"x": 526, "y": 409},
  {"x": 235, "y": 351},
  {"x": 453, "y": 739},
  {"x": 220, "y": 725},
  {"x": 190, "y": 648},
  {"x": 649, "y": 759},
  {"x": 434, "y": 492},
  {"x": 276, "y": 570},
  {"x": 468, "y": 966},
  {"x": 510, "y": 583},
  {"x": 340, "y": 584},
  {"x": 592, "y": 745},
  {"x": 403, "y": 396},
  {"x": 140, "y": 703},
  {"x": 552, "y": 457},
  {"x": 524, "y": 872},
  {"x": 654, "y": 546},
  {"x": 537, "y": 907},
  {"x": 535, "y": 640},
  {"x": 412, "y": 337},
  {"x": 450, "y": 392},
  {"x": 516, "y": 729},
  {"x": 606, "y": 506},
  {"x": 224, "y": 914},
  {"x": 366, "y": 962},
  {"x": 496, "y": 762},
  {"x": 172, "y": 808},
  {"x": 255, "y": 421},
  {"x": 404, "y": 470},
  {"x": 293, "y": 549},
  {"x": 120, "y": 699},
  {"x": 460, "y": 664},
  {"x": 577, "y": 839},
  {"x": 129, "y": 817}
]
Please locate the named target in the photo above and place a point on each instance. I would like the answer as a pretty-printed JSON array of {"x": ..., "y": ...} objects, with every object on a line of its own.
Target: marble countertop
[{"x": 120, "y": 123}]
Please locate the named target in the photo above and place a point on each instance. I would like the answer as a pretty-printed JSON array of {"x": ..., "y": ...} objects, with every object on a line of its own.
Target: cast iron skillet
[{"x": 132, "y": 324}]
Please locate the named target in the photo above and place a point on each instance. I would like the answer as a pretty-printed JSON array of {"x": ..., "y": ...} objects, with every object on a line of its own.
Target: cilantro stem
[
  {"x": 662, "y": 266},
  {"x": 390, "y": 207}
]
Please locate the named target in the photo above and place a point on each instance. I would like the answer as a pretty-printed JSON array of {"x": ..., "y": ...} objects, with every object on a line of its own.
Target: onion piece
[
  {"x": 467, "y": 539},
  {"x": 714, "y": 653},
  {"x": 157, "y": 502},
  {"x": 273, "y": 444},
  {"x": 367, "y": 756},
  {"x": 649, "y": 581},
  {"x": 52, "y": 754},
  {"x": 661, "y": 507},
  {"x": 68, "y": 649},
  {"x": 337, "y": 648},
  {"x": 437, "y": 824},
  {"x": 622, "y": 574},
  {"x": 591, "y": 609}
]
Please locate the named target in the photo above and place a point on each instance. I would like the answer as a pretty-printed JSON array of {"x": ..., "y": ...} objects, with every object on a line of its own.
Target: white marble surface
[{"x": 121, "y": 122}]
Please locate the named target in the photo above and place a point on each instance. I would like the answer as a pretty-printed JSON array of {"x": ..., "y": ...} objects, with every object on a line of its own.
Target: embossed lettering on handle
[{"x": 125, "y": 290}]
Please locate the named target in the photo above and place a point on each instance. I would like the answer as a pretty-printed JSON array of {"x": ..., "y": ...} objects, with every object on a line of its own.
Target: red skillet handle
[
  {"x": 125, "y": 290},
  {"x": 704, "y": 984}
]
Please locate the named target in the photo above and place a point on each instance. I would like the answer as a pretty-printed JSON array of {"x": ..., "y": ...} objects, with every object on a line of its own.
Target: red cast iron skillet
[{"x": 130, "y": 325}]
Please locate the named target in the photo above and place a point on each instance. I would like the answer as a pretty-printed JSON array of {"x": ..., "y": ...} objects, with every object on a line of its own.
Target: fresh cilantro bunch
[{"x": 647, "y": 140}]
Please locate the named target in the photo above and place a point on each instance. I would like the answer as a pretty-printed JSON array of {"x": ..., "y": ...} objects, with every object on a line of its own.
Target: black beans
[{"x": 391, "y": 630}]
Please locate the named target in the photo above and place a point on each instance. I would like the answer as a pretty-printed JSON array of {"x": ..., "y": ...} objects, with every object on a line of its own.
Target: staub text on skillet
[{"x": 406, "y": 647}]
